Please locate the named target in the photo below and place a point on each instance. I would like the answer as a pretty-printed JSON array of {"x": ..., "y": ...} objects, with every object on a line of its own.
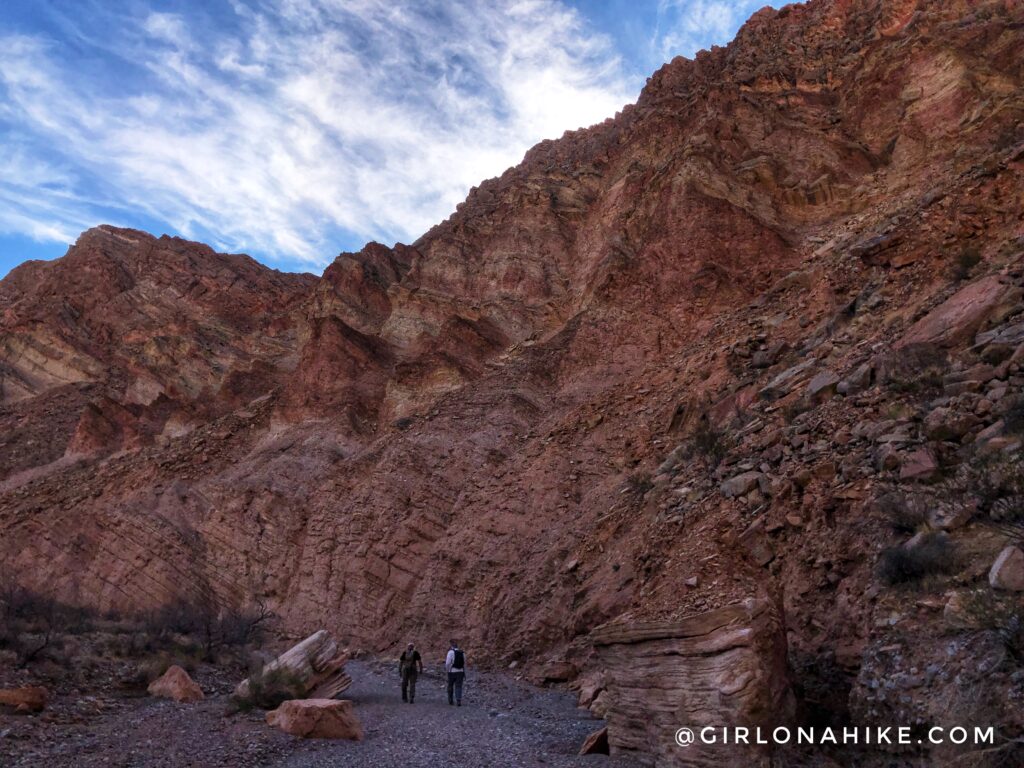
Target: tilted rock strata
[
  {"x": 518, "y": 427},
  {"x": 726, "y": 667}
]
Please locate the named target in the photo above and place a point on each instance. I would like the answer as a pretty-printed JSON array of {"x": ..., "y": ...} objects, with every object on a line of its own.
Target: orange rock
[
  {"x": 317, "y": 719},
  {"x": 25, "y": 699},
  {"x": 176, "y": 684}
]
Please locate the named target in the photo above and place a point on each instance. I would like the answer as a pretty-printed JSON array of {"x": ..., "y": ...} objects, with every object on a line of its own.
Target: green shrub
[{"x": 269, "y": 688}]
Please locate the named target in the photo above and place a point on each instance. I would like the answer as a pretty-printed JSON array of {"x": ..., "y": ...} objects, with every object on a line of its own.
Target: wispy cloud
[
  {"x": 686, "y": 26},
  {"x": 284, "y": 126}
]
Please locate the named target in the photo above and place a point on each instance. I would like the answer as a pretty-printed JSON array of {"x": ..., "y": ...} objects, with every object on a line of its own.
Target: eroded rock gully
[{"x": 529, "y": 423}]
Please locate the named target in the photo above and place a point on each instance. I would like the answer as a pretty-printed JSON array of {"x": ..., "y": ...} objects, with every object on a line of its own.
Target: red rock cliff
[{"x": 625, "y": 380}]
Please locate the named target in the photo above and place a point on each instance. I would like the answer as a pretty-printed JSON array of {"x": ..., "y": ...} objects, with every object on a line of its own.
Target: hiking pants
[
  {"x": 409, "y": 684},
  {"x": 455, "y": 680}
]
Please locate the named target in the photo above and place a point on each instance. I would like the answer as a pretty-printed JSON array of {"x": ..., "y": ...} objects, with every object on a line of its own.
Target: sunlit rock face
[{"x": 519, "y": 425}]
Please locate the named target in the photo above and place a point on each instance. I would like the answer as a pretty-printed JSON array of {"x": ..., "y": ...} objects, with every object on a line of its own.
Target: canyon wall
[{"x": 663, "y": 366}]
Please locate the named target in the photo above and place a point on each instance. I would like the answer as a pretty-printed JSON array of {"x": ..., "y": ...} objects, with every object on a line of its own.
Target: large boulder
[
  {"x": 29, "y": 698},
  {"x": 919, "y": 465},
  {"x": 724, "y": 667},
  {"x": 741, "y": 484},
  {"x": 788, "y": 380},
  {"x": 176, "y": 684},
  {"x": 822, "y": 387},
  {"x": 960, "y": 316},
  {"x": 317, "y": 719},
  {"x": 1007, "y": 571}
]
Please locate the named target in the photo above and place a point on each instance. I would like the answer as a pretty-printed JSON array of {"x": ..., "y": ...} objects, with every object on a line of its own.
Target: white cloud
[
  {"x": 169, "y": 27},
  {"x": 686, "y": 26},
  {"x": 311, "y": 116}
]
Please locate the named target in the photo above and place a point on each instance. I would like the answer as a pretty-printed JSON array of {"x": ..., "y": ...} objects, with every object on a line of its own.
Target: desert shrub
[
  {"x": 1001, "y": 613},
  {"x": 34, "y": 623},
  {"x": 269, "y": 688},
  {"x": 966, "y": 261},
  {"x": 184, "y": 625},
  {"x": 904, "y": 514},
  {"x": 639, "y": 483},
  {"x": 1013, "y": 419},
  {"x": 996, "y": 483},
  {"x": 792, "y": 410},
  {"x": 915, "y": 369},
  {"x": 933, "y": 555},
  {"x": 711, "y": 443}
]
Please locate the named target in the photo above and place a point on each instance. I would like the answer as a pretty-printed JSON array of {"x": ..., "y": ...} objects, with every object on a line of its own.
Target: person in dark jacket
[
  {"x": 455, "y": 664},
  {"x": 410, "y": 664}
]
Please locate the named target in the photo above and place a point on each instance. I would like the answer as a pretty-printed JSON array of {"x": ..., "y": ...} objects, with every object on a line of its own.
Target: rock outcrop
[
  {"x": 596, "y": 743},
  {"x": 665, "y": 364},
  {"x": 726, "y": 667}
]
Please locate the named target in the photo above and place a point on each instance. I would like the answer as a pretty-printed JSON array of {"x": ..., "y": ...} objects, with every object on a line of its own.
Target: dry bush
[
  {"x": 1000, "y": 613},
  {"x": 188, "y": 625},
  {"x": 639, "y": 483},
  {"x": 34, "y": 625},
  {"x": 711, "y": 443},
  {"x": 966, "y": 261},
  {"x": 904, "y": 514},
  {"x": 934, "y": 555},
  {"x": 37, "y": 628}
]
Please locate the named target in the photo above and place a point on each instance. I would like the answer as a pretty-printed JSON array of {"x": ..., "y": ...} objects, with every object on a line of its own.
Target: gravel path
[{"x": 502, "y": 722}]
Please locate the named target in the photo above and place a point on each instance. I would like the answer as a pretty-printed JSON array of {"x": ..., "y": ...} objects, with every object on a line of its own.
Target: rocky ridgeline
[{"x": 756, "y": 337}]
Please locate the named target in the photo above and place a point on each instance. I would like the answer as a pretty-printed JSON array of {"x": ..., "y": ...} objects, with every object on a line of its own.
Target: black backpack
[{"x": 459, "y": 661}]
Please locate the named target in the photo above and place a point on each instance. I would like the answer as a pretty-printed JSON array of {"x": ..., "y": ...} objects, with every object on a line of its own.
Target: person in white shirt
[{"x": 455, "y": 664}]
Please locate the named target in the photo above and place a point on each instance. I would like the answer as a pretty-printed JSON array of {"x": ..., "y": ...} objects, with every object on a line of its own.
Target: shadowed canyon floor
[{"x": 502, "y": 722}]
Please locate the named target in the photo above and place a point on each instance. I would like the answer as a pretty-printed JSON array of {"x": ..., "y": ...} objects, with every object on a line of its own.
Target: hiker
[
  {"x": 455, "y": 664},
  {"x": 409, "y": 666}
]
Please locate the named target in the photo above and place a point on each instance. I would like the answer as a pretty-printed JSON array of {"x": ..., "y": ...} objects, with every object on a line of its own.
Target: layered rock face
[
  {"x": 725, "y": 667},
  {"x": 663, "y": 365},
  {"x": 129, "y": 338}
]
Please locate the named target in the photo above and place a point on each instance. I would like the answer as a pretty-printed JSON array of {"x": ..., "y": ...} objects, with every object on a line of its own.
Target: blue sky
[{"x": 294, "y": 129}]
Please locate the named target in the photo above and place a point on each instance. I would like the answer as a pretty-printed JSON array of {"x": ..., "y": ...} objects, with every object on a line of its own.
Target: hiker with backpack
[
  {"x": 455, "y": 664},
  {"x": 410, "y": 664}
]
